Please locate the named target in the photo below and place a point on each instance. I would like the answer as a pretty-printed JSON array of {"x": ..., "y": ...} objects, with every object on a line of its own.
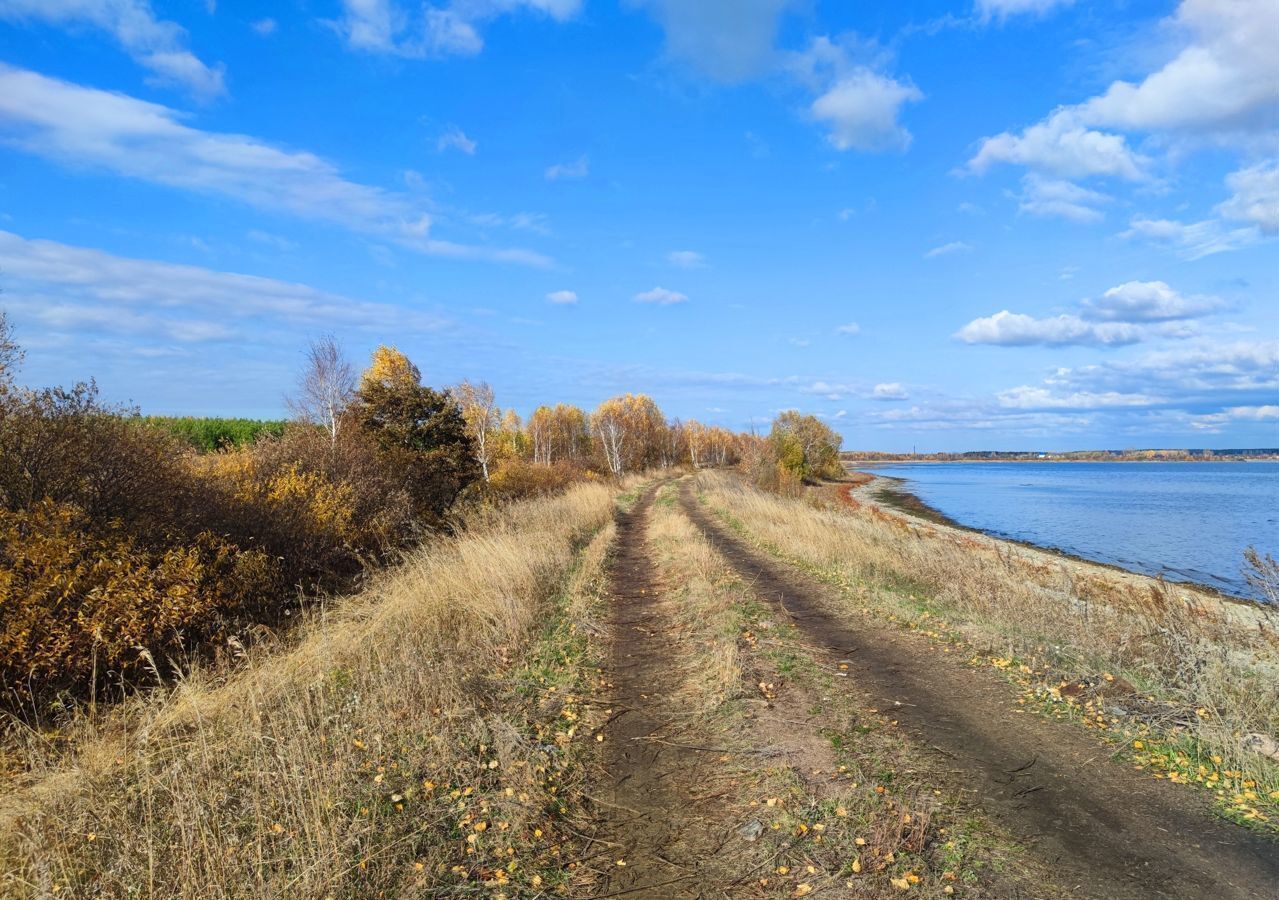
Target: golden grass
[
  {"x": 1203, "y": 670},
  {"x": 417, "y": 735}
]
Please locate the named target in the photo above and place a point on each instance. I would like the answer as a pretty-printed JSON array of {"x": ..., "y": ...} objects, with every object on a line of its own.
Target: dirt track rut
[{"x": 1110, "y": 833}]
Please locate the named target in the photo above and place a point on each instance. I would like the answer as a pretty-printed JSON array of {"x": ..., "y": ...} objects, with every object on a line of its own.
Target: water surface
[{"x": 1184, "y": 521}]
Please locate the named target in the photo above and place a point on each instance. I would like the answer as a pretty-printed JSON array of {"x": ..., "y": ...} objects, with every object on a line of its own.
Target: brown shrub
[
  {"x": 518, "y": 479},
  {"x": 84, "y": 606}
]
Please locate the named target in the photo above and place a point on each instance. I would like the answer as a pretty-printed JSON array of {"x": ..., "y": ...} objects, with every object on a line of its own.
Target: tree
[
  {"x": 483, "y": 420},
  {"x": 326, "y": 387},
  {"x": 419, "y": 430},
  {"x": 804, "y": 446},
  {"x": 630, "y": 432},
  {"x": 559, "y": 432}
]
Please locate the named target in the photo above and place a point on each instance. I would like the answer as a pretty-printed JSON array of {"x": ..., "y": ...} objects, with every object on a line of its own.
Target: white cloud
[
  {"x": 1149, "y": 301},
  {"x": 1214, "y": 422},
  {"x": 562, "y": 298},
  {"x": 1062, "y": 199},
  {"x": 579, "y": 168},
  {"x": 73, "y": 289},
  {"x": 861, "y": 109},
  {"x": 661, "y": 296},
  {"x": 889, "y": 391},
  {"x": 384, "y": 26},
  {"x": 1061, "y": 145},
  {"x": 849, "y": 329},
  {"x": 153, "y": 43},
  {"x": 1225, "y": 79},
  {"x": 1026, "y": 397},
  {"x": 1009, "y": 329},
  {"x": 1193, "y": 240},
  {"x": 89, "y": 128},
  {"x": 946, "y": 249},
  {"x": 1256, "y": 196},
  {"x": 686, "y": 259},
  {"x": 455, "y": 138},
  {"x": 1003, "y": 9},
  {"x": 264, "y": 27},
  {"x": 727, "y": 40}
]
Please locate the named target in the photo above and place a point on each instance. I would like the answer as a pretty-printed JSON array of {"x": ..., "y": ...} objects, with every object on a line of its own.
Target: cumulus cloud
[
  {"x": 947, "y": 249},
  {"x": 1256, "y": 196},
  {"x": 1126, "y": 314},
  {"x": 889, "y": 391},
  {"x": 1009, "y": 329},
  {"x": 849, "y": 329},
  {"x": 264, "y": 27},
  {"x": 562, "y": 298},
  {"x": 1222, "y": 84},
  {"x": 79, "y": 290},
  {"x": 1224, "y": 80},
  {"x": 661, "y": 296},
  {"x": 579, "y": 168},
  {"x": 386, "y": 26},
  {"x": 455, "y": 139},
  {"x": 686, "y": 259},
  {"x": 1061, "y": 199},
  {"x": 89, "y": 128},
  {"x": 1214, "y": 422},
  {"x": 1149, "y": 301},
  {"x": 1063, "y": 146},
  {"x": 153, "y": 43},
  {"x": 857, "y": 101}
]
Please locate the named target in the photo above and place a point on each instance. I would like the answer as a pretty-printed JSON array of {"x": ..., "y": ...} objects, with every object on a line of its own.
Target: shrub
[
  {"x": 518, "y": 478},
  {"x": 84, "y": 605}
]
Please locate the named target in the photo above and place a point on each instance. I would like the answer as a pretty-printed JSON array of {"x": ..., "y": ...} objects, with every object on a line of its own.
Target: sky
[{"x": 1012, "y": 224}]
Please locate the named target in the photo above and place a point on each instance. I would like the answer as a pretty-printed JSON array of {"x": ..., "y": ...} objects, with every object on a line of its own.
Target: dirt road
[{"x": 1110, "y": 833}]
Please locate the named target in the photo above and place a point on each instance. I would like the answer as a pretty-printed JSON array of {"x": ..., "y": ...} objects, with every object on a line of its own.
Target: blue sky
[{"x": 1010, "y": 223}]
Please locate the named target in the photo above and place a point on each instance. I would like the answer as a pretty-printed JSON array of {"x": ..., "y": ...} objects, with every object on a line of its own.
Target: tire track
[{"x": 1110, "y": 834}]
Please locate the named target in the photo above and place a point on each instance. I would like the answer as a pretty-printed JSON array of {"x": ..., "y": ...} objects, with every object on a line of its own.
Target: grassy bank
[
  {"x": 418, "y": 739},
  {"x": 1177, "y": 681}
]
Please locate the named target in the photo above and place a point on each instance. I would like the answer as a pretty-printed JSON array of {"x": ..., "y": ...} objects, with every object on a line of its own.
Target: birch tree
[
  {"x": 483, "y": 420},
  {"x": 326, "y": 387}
]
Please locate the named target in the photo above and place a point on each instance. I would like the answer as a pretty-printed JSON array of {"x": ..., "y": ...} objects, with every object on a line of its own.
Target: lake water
[{"x": 1185, "y": 521}]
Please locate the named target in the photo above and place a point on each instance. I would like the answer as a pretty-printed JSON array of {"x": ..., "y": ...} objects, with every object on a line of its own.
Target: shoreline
[{"x": 888, "y": 491}]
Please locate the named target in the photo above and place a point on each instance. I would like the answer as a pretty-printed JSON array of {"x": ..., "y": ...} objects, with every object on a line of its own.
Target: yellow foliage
[
  {"x": 389, "y": 367},
  {"x": 80, "y": 603}
]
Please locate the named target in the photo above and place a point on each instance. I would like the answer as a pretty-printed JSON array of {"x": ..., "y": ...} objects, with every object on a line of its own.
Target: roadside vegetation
[
  {"x": 420, "y": 735},
  {"x": 133, "y": 548},
  {"x": 1185, "y": 687}
]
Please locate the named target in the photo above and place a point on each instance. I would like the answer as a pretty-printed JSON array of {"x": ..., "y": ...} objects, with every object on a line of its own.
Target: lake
[{"x": 1184, "y": 521}]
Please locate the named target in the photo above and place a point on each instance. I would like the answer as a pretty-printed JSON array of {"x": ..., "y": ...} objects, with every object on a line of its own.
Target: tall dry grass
[
  {"x": 420, "y": 735},
  {"x": 1212, "y": 666}
]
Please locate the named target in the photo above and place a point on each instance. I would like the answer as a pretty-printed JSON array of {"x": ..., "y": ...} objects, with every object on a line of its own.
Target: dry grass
[
  {"x": 1199, "y": 673},
  {"x": 418, "y": 739}
]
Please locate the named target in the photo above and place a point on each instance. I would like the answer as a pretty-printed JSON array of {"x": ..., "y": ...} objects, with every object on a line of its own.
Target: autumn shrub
[
  {"x": 84, "y": 605},
  {"x": 517, "y": 479}
]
